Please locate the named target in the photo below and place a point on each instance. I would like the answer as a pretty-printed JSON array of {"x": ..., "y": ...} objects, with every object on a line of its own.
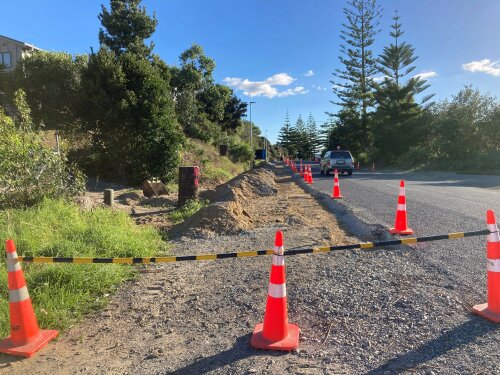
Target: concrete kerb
[{"x": 354, "y": 225}]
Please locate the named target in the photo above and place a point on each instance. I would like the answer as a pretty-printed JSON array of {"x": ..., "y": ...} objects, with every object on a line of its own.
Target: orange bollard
[
  {"x": 336, "y": 187},
  {"x": 275, "y": 333},
  {"x": 491, "y": 309},
  {"x": 401, "y": 224},
  {"x": 25, "y": 337}
]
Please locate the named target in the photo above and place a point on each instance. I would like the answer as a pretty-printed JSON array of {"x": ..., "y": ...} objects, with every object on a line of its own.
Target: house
[{"x": 11, "y": 51}]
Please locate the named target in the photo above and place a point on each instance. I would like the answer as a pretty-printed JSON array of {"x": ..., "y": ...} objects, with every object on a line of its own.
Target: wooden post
[
  {"x": 188, "y": 184},
  {"x": 223, "y": 150},
  {"x": 109, "y": 197}
]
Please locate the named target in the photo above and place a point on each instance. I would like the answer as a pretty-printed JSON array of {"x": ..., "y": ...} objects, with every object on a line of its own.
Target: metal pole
[{"x": 251, "y": 132}]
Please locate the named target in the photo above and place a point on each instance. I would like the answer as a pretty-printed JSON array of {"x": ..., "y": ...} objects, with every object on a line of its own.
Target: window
[
  {"x": 5, "y": 59},
  {"x": 340, "y": 155}
]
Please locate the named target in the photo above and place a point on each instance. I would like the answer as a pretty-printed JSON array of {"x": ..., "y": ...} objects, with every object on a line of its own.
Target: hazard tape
[{"x": 244, "y": 254}]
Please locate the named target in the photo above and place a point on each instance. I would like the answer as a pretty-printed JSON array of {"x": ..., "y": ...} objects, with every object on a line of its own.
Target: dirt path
[{"x": 359, "y": 312}]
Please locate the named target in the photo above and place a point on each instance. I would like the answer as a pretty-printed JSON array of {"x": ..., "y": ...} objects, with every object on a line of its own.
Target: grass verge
[{"x": 63, "y": 293}]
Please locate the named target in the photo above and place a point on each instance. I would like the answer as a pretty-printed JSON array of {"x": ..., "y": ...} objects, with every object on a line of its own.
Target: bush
[
  {"x": 63, "y": 293},
  {"x": 30, "y": 171},
  {"x": 240, "y": 152}
]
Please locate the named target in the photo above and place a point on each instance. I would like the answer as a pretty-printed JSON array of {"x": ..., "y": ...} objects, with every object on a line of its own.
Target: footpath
[{"x": 359, "y": 311}]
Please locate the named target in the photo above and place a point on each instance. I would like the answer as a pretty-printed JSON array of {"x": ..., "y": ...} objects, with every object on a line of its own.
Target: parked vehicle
[{"x": 340, "y": 160}]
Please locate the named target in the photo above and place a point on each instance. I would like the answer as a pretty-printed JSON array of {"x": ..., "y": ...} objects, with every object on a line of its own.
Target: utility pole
[{"x": 251, "y": 131}]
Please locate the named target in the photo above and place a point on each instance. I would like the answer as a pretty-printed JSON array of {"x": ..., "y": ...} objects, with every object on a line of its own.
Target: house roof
[{"x": 25, "y": 45}]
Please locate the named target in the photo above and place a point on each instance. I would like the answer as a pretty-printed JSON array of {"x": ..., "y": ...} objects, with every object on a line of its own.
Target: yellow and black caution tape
[{"x": 243, "y": 254}]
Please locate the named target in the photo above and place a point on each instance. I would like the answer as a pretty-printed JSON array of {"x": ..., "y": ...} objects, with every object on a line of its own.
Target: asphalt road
[{"x": 437, "y": 203}]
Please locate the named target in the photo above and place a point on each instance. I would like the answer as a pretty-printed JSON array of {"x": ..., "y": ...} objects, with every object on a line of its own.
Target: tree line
[
  {"x": 126, "y": 111},
  {"x": 384, "y": 111}
]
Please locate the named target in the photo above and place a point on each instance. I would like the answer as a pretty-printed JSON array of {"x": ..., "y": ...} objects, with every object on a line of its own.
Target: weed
[
  {"x": 189, "y": 209},
  {"x": 63, "y": 293}
]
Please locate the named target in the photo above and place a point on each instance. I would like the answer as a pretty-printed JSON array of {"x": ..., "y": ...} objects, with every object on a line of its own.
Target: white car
[{"x": 340, "y": 160}]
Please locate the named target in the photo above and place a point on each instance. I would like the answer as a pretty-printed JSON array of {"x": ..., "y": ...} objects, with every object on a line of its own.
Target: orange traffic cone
[
  {"x": 276, "y": 333},
  {"x": 491, "y": 309},
  {"x": 336, "y": 187},
  {"x": 357, "y": 167},
  {"x": 301, "y": 168},
  {"x": 401, "y": 225},
  {"x": 306, "y": 178},
  {"x": 310, "y": 175},
  {"x": 373, "y": 166},
  {"x": 25, "y": 337}
]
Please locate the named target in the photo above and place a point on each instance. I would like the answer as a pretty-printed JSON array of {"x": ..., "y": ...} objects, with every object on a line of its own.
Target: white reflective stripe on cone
[
  {"x": 19, "y": 295},
  {"x": 12, "y": 256},
  {"x": 277, "y": 290},
  {"x": 13, "y": 266},
  {"x": 279, "y": 250},
  {"x": 401, "y": 191},
  {"x": 493, "y": 265},
  {"x": 492, "y": 228},
  {"x": 278, "y": 260},
  {"x": 401, "y": 207}
]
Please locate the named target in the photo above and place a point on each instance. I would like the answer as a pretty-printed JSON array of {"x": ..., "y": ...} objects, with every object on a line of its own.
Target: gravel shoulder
[{"x": 376, "y": 311}]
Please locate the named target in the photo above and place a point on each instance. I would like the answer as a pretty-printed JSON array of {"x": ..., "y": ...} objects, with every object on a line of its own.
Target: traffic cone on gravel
[
  {"x": 25, "y": 337},
  {"x": 336, "y": 187},
  {"x": 275, "y": 333},
  {"x": 401, "y": 224},
  {"x": 491, "y": 309}
]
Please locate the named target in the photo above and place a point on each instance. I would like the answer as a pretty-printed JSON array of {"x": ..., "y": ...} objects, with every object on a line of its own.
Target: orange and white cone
[
  {"x": 275, "y": 333},
  {"x": 401, "y": 224},
  {"x": 491, "y": 309},
  {"x": 25, "y": 337},
  {"x": 301, "y": 169},
  {"x": 310, "y": 175},
  {"x": 373, "y": 166},
  {"x": 357, "y": 167},
  {"x": 336, "y": 187}
]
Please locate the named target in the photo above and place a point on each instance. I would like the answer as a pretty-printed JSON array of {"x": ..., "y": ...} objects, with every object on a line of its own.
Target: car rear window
[{"x": 340, "y": 155}]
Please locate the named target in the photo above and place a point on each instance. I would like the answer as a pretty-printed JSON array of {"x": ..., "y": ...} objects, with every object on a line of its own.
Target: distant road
[{"x": 437, "y": 203}]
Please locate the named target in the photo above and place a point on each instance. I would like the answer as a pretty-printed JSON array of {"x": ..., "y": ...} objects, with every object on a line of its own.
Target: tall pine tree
[
  {"x": 395, "y": 96},
  {"x": 126, "y": 26},
  {"x": 313, "y": 136},
  {"x": 285, "y": 133},
  {"x": 353, "y": 85}
]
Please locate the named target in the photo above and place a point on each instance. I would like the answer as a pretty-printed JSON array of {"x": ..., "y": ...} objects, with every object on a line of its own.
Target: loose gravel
[{"x": 373, "y": 311}]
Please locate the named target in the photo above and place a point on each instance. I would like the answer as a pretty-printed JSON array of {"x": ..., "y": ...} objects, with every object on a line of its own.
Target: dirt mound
[{"x": 227, "y": 214}]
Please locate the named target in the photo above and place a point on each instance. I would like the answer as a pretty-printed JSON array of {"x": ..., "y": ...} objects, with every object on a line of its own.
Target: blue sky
[{"x": 281, "y": 53}]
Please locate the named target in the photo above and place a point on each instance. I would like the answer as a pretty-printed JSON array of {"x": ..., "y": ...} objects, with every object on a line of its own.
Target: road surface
[{"x": 437, "y": 203}]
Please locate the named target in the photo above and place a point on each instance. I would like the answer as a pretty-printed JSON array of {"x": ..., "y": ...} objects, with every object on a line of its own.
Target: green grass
[
  {"x": 63, "y": 294},
  {"x": 189, "y": 209}
]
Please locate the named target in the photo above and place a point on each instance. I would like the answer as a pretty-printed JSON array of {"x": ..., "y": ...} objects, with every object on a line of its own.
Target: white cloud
[
  {"x": 379, "y": 79},
  {"x": 485, "y": 66},
  {"x": 309, "y": 73},
  {"x": 267, "y": 87},
  {"x": 319, "y": 88},
  {"x": 425, "y": 75}
]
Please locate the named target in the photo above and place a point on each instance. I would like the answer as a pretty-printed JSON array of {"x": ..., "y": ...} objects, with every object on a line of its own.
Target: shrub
[
  {"x": 240, "y": 152},
  {"x": 30, "y": 171}
]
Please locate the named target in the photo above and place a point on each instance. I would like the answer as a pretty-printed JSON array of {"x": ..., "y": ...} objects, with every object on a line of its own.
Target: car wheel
[
  {"x": 321, "y": 172},
  {"x": 327, "y": 171},
  {"x": 349, "y": 173}
]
